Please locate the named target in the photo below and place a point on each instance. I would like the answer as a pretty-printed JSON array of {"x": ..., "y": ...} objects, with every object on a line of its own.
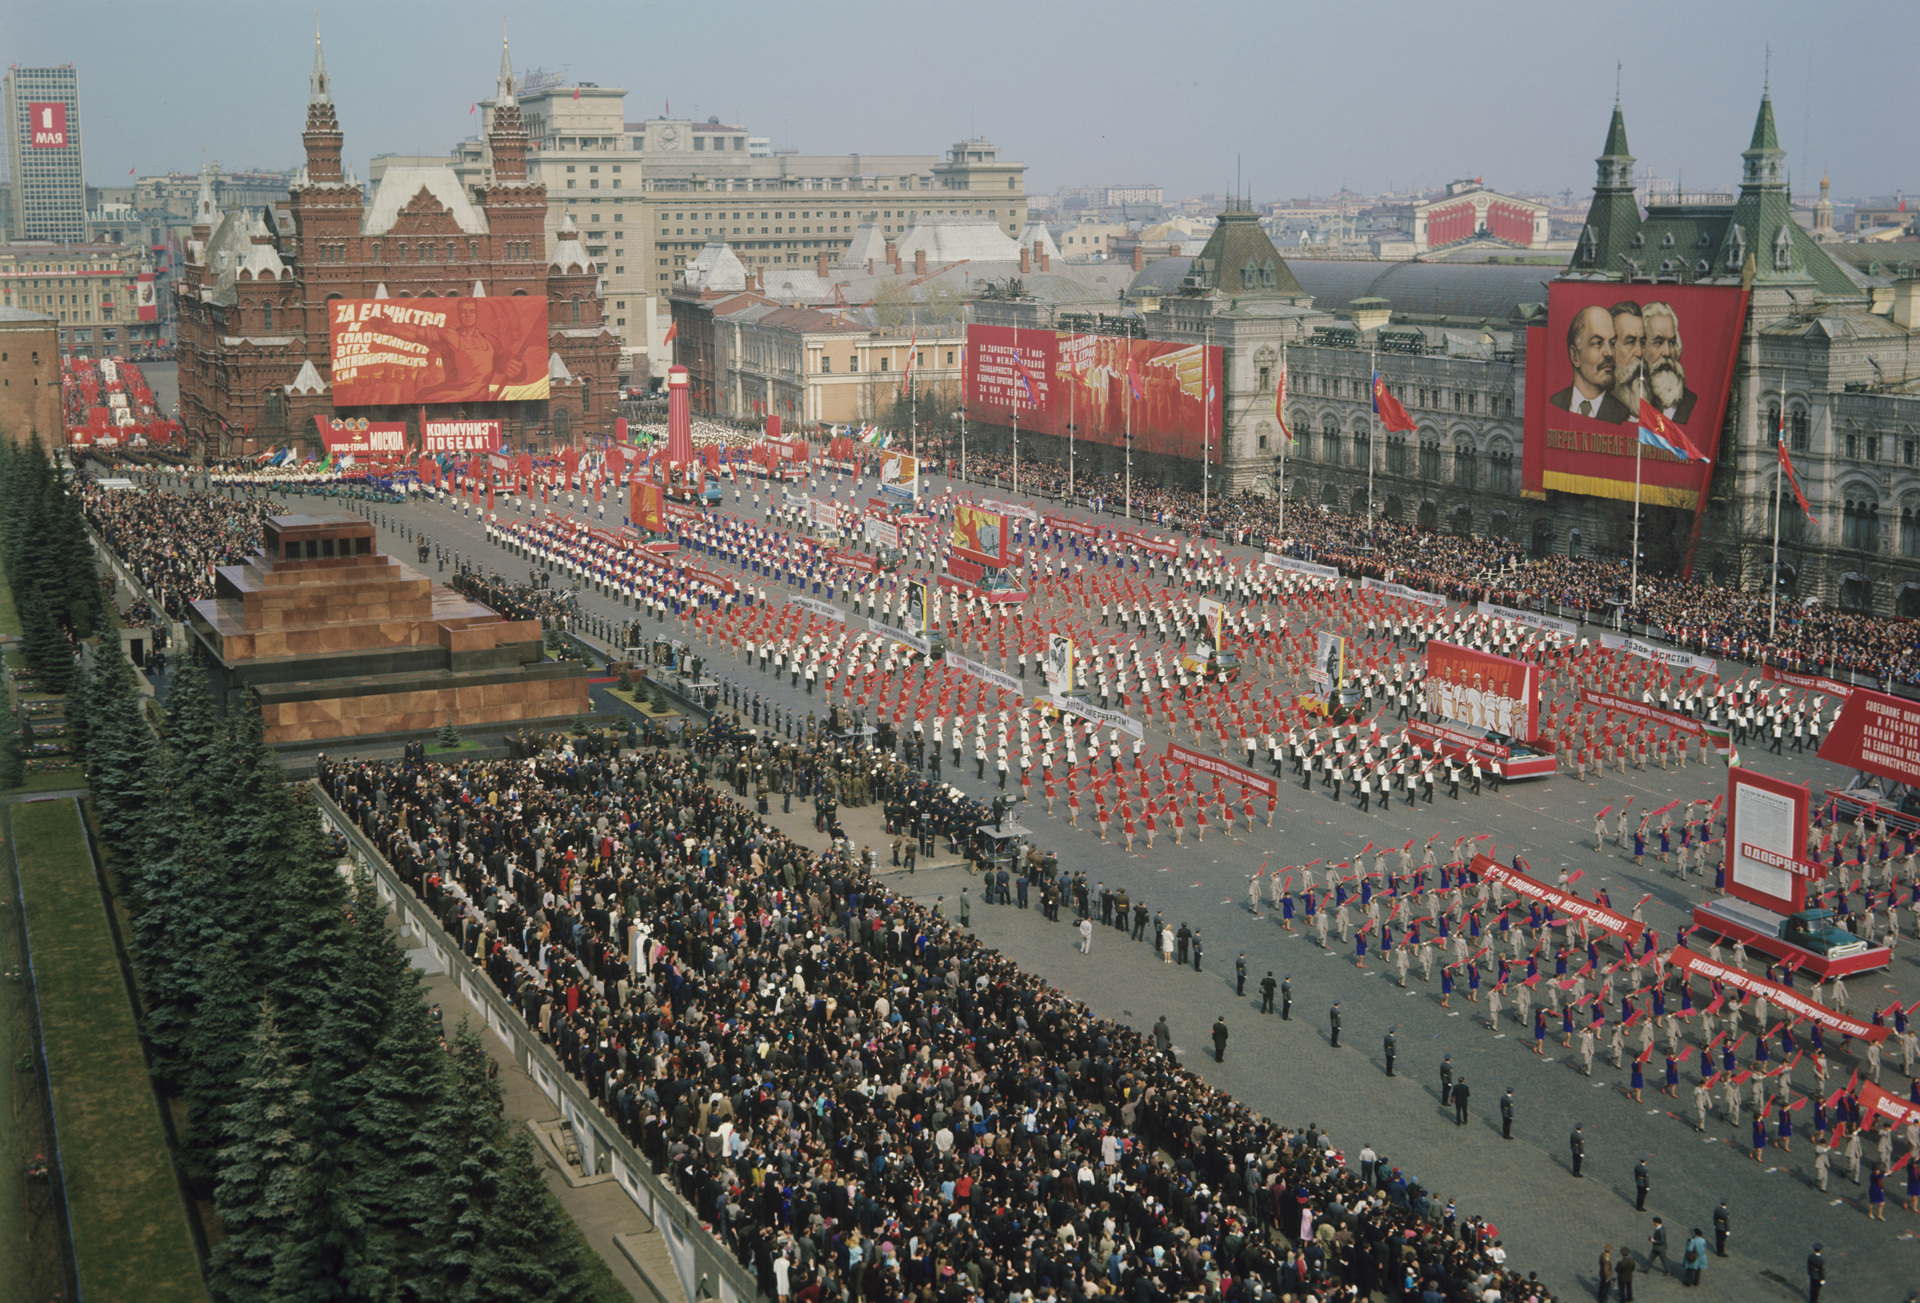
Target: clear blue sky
[{"x": 1307, "y": 96}]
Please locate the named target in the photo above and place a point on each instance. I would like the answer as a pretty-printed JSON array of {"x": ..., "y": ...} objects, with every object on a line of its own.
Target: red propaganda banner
[
  {"x": 790, "y": 449},
  {"x": 1877, "y": 733},
  {"x": 1564, "y": 903},
  {"x": 979, "y": 535},
  {"x": 1767, "y": 841},
  {"x": 1157, "y": 546},
  {"x": 1167, "y": 394},
  {"x": 460, "y": 436},
  {"x": 1430, "y": 735},
  {"x": 1640, "y": 710},
  {"x": 1482, "y": 690},
  {"x": 456, "y": 350},
  {"x": 855, "y": 561},
  {"x": 47, "y": 120},
  {"x": 1810, "y": 682},
  {"x": 1068, "y": 525},
  {"x": 879, "y": 505},
  {"x": 1607, "y": 346},
  {"x": 143, "y": 299},
  {"x": 648, "y": 507},
  {"x": 364, "y": 440},
  {"x": 526, "y": 467},
  {"x": 1880, "y": 1103},
  {"x": 1782, "y": 997},
  {"x": 1224, "y": 768},
  {"x": 681, "y": 512}
]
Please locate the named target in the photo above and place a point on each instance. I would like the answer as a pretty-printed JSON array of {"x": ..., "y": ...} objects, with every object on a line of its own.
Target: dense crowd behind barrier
[
  {"x": 856, "y": 1095},
  {"x": 1699, "y": 615},
  {"x": 173, "y": 541}
]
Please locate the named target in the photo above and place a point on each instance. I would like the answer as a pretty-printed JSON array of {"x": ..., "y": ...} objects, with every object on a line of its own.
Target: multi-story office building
[
  {"x": 49, "y": 189},
  {"x": 649, "y": 196},
  {"x": 102, "y": 297}
]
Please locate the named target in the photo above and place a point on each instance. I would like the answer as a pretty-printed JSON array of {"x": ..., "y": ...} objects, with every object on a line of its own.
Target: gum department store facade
[
  {"x": 252, "y": 299},
  {"x": 1451, "y": 342}
]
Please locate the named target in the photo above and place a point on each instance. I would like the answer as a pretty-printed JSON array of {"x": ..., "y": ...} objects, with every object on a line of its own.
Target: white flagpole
[
  {"x": 1018, "y": 361},
  {"x": 1779, "y": 474},
  {"x": 1633, "y": 593},
  {"x": 1282, "y": 485},
  {"x": 1373, "y": 368}
]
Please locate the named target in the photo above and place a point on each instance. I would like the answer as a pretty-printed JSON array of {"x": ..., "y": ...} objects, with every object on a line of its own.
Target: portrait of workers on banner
[{"x": 1059, "y": 666}]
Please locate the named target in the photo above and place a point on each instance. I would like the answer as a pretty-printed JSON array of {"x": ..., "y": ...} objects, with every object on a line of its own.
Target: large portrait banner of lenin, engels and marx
[{"x": 1607, "y": 349}]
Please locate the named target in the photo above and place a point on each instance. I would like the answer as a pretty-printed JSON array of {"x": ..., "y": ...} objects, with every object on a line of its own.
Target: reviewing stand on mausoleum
[{"x": 342, "y": 641}]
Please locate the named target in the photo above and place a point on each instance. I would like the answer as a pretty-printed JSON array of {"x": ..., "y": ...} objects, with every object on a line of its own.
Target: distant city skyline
[{"x": 1375, "y": 97}]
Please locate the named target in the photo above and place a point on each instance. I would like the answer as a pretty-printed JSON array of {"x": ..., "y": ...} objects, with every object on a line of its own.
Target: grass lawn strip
[{"x": 130, "y": 1229}]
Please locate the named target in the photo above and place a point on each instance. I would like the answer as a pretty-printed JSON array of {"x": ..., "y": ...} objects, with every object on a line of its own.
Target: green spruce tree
[
  {"x": 261, "y": 1169},
  {"x": 453, "y": 1207}
]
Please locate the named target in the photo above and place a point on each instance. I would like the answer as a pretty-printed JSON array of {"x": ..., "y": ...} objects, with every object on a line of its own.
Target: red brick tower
[
  {"x": 326, "y": 209},
  {"x": 516, "y": 208}
]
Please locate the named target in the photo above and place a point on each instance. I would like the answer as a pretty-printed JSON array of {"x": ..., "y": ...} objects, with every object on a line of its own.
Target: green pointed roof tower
[
  {"x": 1614, "y": 217},
  {"x": 1239, "y": 260},
  {"x": 1762, "y": 224}
]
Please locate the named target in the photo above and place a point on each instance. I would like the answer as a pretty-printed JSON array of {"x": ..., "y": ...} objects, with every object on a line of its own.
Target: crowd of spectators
[
  {"x": 1698, "y": 614},
  {"x": 860, "y": 1099},
  {"x": 172, "y": 542}
]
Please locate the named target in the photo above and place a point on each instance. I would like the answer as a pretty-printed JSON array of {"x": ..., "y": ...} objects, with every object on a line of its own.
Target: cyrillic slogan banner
[
  {"x": 855, "y": 561},
  {"x": 1224, "y": 768},
  {"x": 1811, "y": 682},
  {"x": 1093, "y": 714},
  {"x": 1157, "y": 546},
  {"x": 1068, "y": 525},
  {"x": 1313, "y": 568},
  {"x": 825, "y": 609},
  {"x": 1561, "y": 902},
  {"x": 1784, "y": 997},
  {"x": 985, "y": 675},
  {"x": 1877, "y": 733},
  {"x": 1402, "y": 592},
  {"x": 914, "y": 641},
  {"x": 1877, "y": 1102},
  {"x": 1640, "y": 710},
  {"x": 1020, "y": 509},
  {"x": 1766, "y": 838},
  {"x": 1532, "y": 619},
  {"x": 1658, "y": 655}
]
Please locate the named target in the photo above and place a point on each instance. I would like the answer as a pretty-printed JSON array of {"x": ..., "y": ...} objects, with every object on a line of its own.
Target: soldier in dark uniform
[
  {"x": 1220, "y": 1039},
  {"x": 1577, "y": 1143},
  {"x": 1506, "y": 1114},
  {"x": 1641, "y": 1183},
  {"x": 1240, "y": 974},
  {"x": 1388, "y": 1047},
  {"x": 1460, "y": 1096},
  {"x": 1286, "y": 999},
  {"x": 1446, "y": 1081},
  {"x": 1267, "y": 985},
  {"x": 1333, "y": 1021},
  {"x": 1721, "y": 1229}
]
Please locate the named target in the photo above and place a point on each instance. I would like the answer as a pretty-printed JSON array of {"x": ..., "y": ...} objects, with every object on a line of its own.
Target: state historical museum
[{"x": 264, "y": 291}]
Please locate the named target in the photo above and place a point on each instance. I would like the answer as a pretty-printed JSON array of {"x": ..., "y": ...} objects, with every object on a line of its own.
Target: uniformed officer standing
[
  {"x": 1578, "y": 1144},
  {"x": 1460, "y": 1096},
  {"x": 1267, "y": 985},
  {"x": 1240, "y": 974},
  {"x": 1286, "y": 999},
  {"x": 1389, "y": 1052},
  {"x": 1506, "y": 1115},
  {"x": 1446, "y": 1081},
  {"x": 1220, "y": 1039},
  {"x": 1721, "y": 1230},
  {"x": 1816, "y": 1274},
  {"x": 1641, "y": 1183},
  {"x": 1333, "y": 1020}
]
